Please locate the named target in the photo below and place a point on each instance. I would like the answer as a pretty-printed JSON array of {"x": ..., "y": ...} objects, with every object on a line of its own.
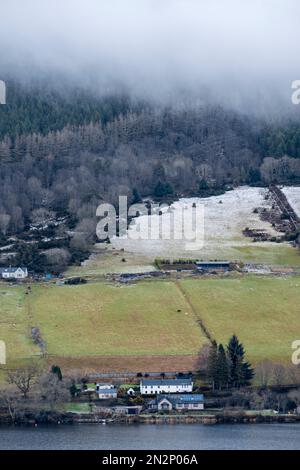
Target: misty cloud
[{"x": 229, "y": 51}]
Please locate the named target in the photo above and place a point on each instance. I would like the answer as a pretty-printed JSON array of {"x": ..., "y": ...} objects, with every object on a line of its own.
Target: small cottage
[
  {"x": 176, "y": 402},
  {"x": 13, "y": 273}
]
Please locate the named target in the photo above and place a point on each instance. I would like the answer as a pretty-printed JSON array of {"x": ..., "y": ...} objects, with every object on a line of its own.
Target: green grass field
[
  {"x": 262, "y": 311},
  {"x": 101, "y": 319},
  {"x": 153, "y": 318},
  {"x": 14, "y": 323},
  {"x": 280, "y": 254}
]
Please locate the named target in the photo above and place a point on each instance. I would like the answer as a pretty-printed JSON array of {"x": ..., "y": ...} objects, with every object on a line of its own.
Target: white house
[
  {"x": 13, "y": 273},
  {"x": 153, "y": 387},
  {"x": 131, "y": 392}
]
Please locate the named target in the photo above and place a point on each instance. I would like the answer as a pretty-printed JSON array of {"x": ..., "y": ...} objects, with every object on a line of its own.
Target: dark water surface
[{"x": 152, "y": 436}]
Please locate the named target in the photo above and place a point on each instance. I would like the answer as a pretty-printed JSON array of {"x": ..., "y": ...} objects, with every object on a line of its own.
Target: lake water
[{"x": 152, "y": 437}]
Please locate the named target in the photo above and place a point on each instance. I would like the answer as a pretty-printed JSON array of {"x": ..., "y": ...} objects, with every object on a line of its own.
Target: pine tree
[
  {"x": 57, "y": 371},
  {"x": 222, "y": 368},
  {"x": 247, "y": 373},
  {"x": 212, "y": 364},
  {"x": 240, "y": 372}
]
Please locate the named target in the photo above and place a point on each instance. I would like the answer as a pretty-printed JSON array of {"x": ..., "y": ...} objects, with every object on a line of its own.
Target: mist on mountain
[{"x": 181, "y": 52}]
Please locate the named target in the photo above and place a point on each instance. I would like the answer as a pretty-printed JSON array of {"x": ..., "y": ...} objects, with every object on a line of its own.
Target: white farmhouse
[
  {"x": 13, "y": 273},
  {"x": 154, "y": 387}
]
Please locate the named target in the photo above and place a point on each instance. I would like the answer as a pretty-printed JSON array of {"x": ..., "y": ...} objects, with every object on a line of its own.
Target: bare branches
[{"x": 23, "y": 378}]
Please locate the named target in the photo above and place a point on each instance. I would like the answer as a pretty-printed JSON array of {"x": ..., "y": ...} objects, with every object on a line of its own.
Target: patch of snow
[
  {"x": 7, "y": 247},
  {"x": 225, "y": 218}
]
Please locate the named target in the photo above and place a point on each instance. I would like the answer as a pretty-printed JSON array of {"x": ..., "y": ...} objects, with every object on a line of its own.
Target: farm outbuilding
[{"x": 213, "y": 265}]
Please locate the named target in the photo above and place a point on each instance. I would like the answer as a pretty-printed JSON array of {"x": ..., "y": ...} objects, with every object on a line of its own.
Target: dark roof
[
  {"x": 182, "y": 398},
  {"x": 213, "y": 263},
  {"x": 152, "y": 382},
  {"x": 107, "y": 391}
]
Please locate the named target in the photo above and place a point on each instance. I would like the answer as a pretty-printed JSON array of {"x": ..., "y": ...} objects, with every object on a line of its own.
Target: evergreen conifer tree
[
  {"x": 222, "y": 368},
  {"x": 240, "y": 371},
  {"x": 212, "y": 364}
]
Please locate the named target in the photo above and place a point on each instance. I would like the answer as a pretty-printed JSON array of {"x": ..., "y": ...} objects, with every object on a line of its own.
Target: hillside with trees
[{"x": 60, "y": 156}]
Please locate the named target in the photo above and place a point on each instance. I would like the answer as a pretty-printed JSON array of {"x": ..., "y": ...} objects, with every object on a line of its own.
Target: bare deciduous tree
[
  {"x": 263, "y": 372},
  {"x": 279, "y": 375},
  {"x": 23, "y": 378},
  {"x": 10, "y": 401},
  {"x": 53, "y": 390},
  {"x": 294, "y": 395},
  {"x": 4, "y": 222}
]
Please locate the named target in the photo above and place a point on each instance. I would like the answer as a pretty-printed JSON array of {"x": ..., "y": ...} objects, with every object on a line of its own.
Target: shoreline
[{"x": 171, "y": 419}]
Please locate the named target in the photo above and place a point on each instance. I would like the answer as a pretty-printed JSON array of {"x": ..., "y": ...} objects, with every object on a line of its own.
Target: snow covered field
[
  {"x": 292, "y": 194},
  {"x": 225, "y": 218}
]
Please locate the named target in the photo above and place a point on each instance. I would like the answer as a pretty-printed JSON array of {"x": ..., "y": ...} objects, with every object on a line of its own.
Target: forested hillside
[
  {"x": 61, "y": 156},
  {"x": 40, "y": 107}
]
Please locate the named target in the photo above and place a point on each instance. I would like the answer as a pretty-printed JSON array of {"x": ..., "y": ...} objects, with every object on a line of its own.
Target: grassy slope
[
  {"x": 280, "y": 254},
  {"x": 100, "y": 319},
  {"x": 262, "y": 311},
  {"x": 143, "y": 319},
  {"x": 14, "y": 323}
]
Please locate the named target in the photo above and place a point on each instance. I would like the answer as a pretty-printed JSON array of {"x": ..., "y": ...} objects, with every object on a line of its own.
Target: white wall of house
[
  {"x": 164, "y": 404},
  {"x": 106, "y": 396},
  {"x": 189, "y": 406},
  {"x": 165, "y": 388},
  {"x": 21, "y": 274},
  {"x": 17, "y": 274}
]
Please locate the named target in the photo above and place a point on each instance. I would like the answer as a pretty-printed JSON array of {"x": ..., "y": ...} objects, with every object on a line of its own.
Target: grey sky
[{"x": 230, "y": 50}]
